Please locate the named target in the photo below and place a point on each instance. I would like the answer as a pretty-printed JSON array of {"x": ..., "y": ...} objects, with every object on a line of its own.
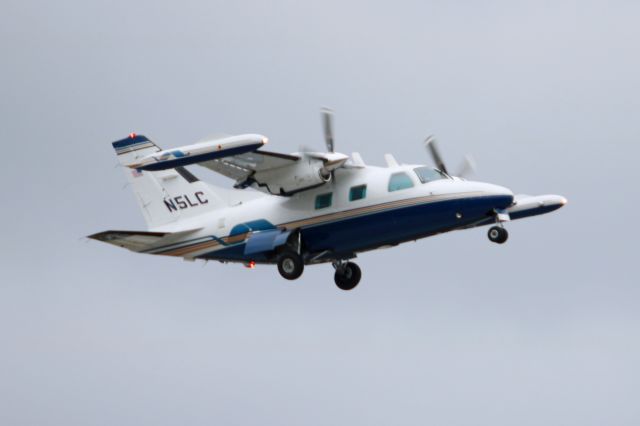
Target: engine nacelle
[
  {"x": 312, "y": 170},
  {"x": 325, "y": 175}
]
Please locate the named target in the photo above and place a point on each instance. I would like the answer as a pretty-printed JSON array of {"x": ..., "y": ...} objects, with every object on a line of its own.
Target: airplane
[{"x": 304, "y": 208}]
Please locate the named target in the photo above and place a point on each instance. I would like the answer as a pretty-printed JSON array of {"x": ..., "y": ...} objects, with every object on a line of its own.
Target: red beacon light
[
  {"x": 251, "y": 264},
  {"x": 132, "y": 135}
]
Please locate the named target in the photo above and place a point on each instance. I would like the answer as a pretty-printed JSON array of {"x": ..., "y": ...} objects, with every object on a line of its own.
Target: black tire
[
  {"x": 347, "y": 277},
  {"x": 498, "y": 234},
  {"x": 290, "y": 265}
]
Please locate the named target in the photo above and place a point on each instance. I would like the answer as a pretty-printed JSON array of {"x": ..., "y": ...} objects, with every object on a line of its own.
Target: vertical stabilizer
[{"x": 163, "y": 196}]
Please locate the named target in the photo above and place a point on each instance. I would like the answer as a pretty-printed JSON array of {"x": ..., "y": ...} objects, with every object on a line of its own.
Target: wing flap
[
  {"x": 250, "y": 162},
  {"x": 244, "y": 166},
  {"x": 264, "y": 241}
]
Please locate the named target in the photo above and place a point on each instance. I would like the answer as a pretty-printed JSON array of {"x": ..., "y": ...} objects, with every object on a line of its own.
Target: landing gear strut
[
  {"x": 290, "y": 265},
  {"x": 498, "y": 234},
  {"x": 347, "y": 275}
]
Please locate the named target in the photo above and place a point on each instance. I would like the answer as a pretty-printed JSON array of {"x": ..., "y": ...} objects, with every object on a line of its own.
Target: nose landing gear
[
  {"x": 347, "y": 275},
  {"x": 498, "y": 234}
]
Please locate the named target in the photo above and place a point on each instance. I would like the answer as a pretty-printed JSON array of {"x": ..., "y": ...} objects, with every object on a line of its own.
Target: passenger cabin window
[
  {"x": 357, "y": 192},
  {"x": 323, "y": 200},
  {"x": 428, "y": 174},
  {"x": 399, "y": 181}
]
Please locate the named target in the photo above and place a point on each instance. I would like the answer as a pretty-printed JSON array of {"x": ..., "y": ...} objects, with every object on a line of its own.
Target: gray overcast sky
[{"x": 452, "y": 330}]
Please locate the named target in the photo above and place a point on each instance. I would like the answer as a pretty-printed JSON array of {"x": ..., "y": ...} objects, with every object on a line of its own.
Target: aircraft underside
[{"x": 337, "y": 241}]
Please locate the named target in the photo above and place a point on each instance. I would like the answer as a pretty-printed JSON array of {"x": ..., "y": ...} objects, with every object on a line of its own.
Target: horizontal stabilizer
[{"x": 138, "y": 240}]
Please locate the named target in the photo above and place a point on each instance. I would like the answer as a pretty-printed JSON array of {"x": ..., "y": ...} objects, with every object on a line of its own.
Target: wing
[
  {"x": 199, "y": 152},
  {"x": 239, "y": 158},
  {"x": 241, "y": 167},
  {"x": 275, "y": 173}
]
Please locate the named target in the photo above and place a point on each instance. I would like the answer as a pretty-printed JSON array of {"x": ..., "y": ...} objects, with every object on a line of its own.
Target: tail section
[{"x": 163, "y": 196}]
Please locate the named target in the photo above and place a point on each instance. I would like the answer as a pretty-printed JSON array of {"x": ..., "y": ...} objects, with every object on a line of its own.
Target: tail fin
[{"x": 164, "y": 196}]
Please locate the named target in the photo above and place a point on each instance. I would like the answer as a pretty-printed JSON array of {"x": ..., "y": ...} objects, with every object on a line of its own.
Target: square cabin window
[
  {"x": 399, "y": 181},
  {"x": 323, "y": 200},
  {"x": 357, "y": 192}
]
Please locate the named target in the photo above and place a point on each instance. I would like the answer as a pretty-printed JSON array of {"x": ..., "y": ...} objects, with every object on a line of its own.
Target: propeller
[
  {"x": 327, "y": 124},
  {"x": 331, "y": 159},
  {"x": 432, "y": 146},
  {"x": 466, "y": 169}
]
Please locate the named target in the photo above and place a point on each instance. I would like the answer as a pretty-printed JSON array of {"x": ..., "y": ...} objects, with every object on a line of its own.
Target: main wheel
[
  {"x": 348, "y": 276},
  {"x": 498, "y": 234},
  {"x": 290, "y": 265}
]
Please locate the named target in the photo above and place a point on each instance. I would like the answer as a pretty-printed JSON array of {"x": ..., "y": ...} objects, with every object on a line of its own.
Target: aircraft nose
[
  {"x": 501, "y": 197},
  {"x": 502, "y": 191}
]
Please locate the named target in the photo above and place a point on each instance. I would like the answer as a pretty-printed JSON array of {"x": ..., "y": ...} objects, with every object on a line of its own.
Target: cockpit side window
[
  {"x": 428, "y": 174},
  {"x": 399, "y": 181}
]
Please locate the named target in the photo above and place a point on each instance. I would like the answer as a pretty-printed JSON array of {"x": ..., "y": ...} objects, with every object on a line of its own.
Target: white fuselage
[{"x": 215, "y": 229}]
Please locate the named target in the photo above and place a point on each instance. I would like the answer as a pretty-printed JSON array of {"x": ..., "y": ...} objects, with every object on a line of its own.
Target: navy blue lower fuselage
[{"x": 345, "y": 237}]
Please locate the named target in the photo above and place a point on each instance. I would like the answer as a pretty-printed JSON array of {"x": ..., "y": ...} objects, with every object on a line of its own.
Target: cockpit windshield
[{"x": 428, "y": 174}]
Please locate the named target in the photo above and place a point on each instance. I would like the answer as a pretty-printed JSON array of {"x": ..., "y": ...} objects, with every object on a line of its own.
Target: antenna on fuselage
[
  {"x": 357, "y": 160},
  {"x": 390, "y": 160}
]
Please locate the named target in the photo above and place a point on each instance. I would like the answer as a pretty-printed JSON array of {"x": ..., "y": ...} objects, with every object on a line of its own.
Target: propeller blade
[
  {"x": 327, "y": 124},
  {"x": 304, "y": 149},
  {"x": 432, "y": 147},
  {"x": 467, "y": 168}
]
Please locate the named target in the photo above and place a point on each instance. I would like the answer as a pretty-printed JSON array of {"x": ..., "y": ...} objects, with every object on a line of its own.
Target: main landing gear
[
  {"x": 347, "y": 275},
  {"x": 498, "y": 234},
  {"x": 290, "y": 265}
]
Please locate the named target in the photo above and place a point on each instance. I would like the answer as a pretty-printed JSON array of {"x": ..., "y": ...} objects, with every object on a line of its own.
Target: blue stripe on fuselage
[{"x": 356, "y": 234}]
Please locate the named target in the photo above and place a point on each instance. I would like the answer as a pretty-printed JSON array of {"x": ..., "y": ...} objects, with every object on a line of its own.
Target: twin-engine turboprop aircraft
[{"x": 303, "y": 208}]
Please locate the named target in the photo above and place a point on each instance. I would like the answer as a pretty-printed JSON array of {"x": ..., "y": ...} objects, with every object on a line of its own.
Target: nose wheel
[
  {"x": 498, "y": 234},
  {"x": 347, "y": 275}
]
